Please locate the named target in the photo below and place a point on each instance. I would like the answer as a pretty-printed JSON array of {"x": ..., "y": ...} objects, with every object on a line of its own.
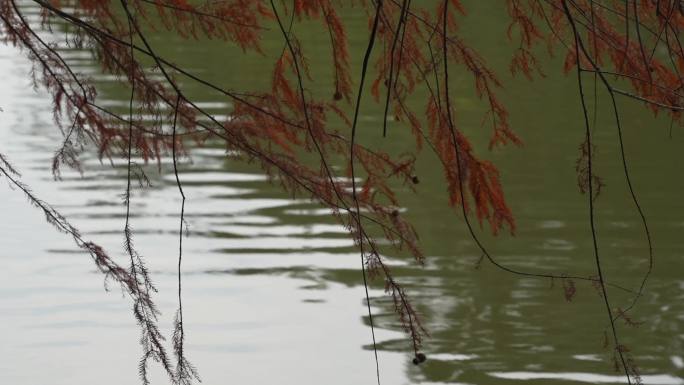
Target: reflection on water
[
  {"x": 587, "y": 377},
  {"x": 272, "y": 285}
]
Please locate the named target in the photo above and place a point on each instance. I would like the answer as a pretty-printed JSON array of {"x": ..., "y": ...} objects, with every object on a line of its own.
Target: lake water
[{"x": 272, "y": 286}]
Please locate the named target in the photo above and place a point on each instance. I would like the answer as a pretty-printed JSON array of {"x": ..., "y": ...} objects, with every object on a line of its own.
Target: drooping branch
[{"x": 590, "y": 184}]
